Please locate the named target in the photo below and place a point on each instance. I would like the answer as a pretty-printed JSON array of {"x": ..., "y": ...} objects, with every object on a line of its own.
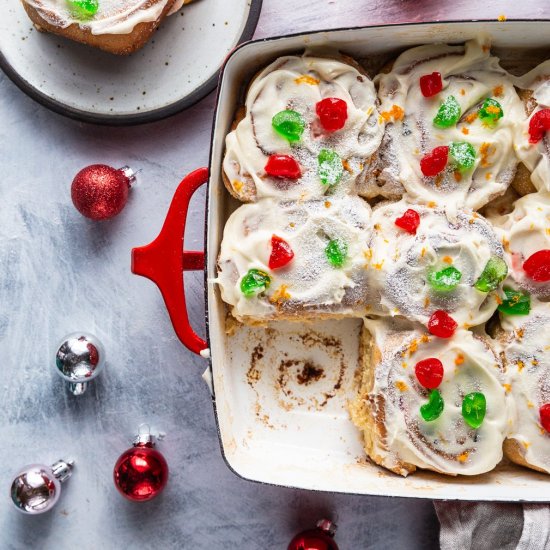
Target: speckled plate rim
[{"x": 133, "y": 119}]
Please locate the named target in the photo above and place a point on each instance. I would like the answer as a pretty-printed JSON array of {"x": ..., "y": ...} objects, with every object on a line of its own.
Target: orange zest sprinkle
[
  {"x": 534, "y": 362},
  {"x": 346, "y": 166},
  {"x": 404, "y": 364},
  {"x": 459, "y": 359},
  {"x": 526, "y": 444},
  {"x": 328, "y": 204},
  {"x": 237, "y": 185},
  {"x": 424, "y": 339},
  {"x": 280, "y": 295},
  {"x": 493, "y": 109},
  {"x": 530, "y": 404},
  {"x": 458, "y": 176},
  {"x": 471, "y": 117},
  {"x": 488, "y": 176},
  {"x": 395, "y": 113},
  {"x": 426, "y": 302},
  {"x": 501, "y": 18},
  {"x": 401, "y": 386},
  {"x": 507, "y": 387},
  {"x": 486, "y": 150},
  {"x": 465, "y": 130},
  {"x": 462, "y": 91},
  {"x": 498, "y": 91},
  {"x": 377, "y": 226},
  {"x": 447, "y": 259},
  {"x": 307, "y": 79},
  {"x": 368, "y": 253},
  {"x": 431, "y": 204},
  {"x": 423, "y": 252},
  {"x": 520, "y": 364},
  {"x": 463, "y": 457},
  {"x": 519, "y": 333},
  {"x": 498, "y": 299},
  {"x": 378, "y": 265}
]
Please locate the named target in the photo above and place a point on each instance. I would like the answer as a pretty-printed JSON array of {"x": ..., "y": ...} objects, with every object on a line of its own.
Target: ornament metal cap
[
  {"x": 144, "y": 437},
  {"x": 327, "y": 526},
  {"x": 130, "y": 174},
  {"x": 36, "y": 489},
  {"x": 79, "y": 358}
]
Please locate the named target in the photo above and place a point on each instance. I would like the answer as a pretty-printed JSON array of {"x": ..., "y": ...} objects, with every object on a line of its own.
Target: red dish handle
[{"x": 164, "y": 260}]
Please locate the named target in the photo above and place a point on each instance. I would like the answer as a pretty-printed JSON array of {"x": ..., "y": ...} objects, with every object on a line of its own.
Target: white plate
[{"x": 175, "y": 69}]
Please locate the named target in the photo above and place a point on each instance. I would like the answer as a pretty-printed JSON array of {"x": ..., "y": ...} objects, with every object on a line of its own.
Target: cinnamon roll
[
  {"x": 525, "y": 234},
  {"x": 295, "y": 260},
  {"x": 532, "y": 139},
  {"x": 527, "y": 356},
  {"x": 309, "y": 126},
  {"x": 422, "y": 260},
  {"x": 450, "y": 113},
  {"x": 116, "y": 26},
  {"x": 430, "y": 403}
]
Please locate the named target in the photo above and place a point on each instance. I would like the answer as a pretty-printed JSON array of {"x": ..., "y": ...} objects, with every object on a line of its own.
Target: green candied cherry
[
  {"x": 474, "y": 407},
  {"x": 336, "y": 252},
  {"x": 515, "y": 303},
  {"x": 289, "y": 125},
  {"x": 448, "y": 113},
  {"x": 255, "y": 282},
  {"x": 445, "y": 279},
  {"x": 463, "y": 155},
  {"x": 493, "y": 274},
  {"x": 490, "y": 112},
  {"x": 434, "y": 407},
  {"x": 84, "y": 8},
  {"x": 330, "y": 168}
]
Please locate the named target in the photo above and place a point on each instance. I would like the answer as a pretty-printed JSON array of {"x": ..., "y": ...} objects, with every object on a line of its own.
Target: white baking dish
[{"x": 272, "y": 428}]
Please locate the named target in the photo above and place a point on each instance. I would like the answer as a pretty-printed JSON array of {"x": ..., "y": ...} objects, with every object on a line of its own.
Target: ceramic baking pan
[{"x": 280, "y": 392}]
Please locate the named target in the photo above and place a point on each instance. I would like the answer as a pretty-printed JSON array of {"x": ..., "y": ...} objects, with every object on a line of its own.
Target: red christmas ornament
[
  {"x": 434, "y": 162},
  {"x": 320, "y": 538},
  {"x": 544, "y": 412},
  {"x": 332, "y": 113},
  {"x": 100, "y": 192},
  {"x": 141, "y": 472},
  {"x": 431, "y": 84},
  {"x": 409, "y": 221},
  {"x": 429, "y": 372},
  {"x": 441, "y": 324},
  {"x": 539, "y": 125},
  {"x": 281, "y": 253},
  {"x": 537, "y": 266},
  {"x": 283, "y": 166}
]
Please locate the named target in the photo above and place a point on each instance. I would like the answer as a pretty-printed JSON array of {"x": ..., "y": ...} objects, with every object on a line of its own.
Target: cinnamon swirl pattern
[
  {"x": 451, "y": 113},
  {"x": 526, "y": 349},
  {"x": 407, "y": 425},
  {"x": 435, "y": 266},
  {"x": 305, "y": 109},
  {"x": 532, "y": 139},
  {"x": 295, "y": 260}
]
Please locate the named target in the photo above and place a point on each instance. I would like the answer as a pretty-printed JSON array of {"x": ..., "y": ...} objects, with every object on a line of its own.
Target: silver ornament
[
  {"x": 37, "y": 487},
  {"x": 79, "y": 359}
]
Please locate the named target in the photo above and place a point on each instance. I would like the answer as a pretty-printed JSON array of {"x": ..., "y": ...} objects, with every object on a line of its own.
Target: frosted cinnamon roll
[
  {"x": 531, "y": 137},
  {"x": 308, "y": 127},
  {"x": 295, "y": 260},
  {"x": 430, "y": 403},
  {"x": 527, "y": 356},
  {"x": 422, "y": 261},
  {"x": 450, "y": 113},
  {"x": 116, "y": 26},
  {"x": 525, "y": 234}
]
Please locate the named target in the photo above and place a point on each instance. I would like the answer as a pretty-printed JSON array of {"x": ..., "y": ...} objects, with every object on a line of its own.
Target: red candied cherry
[
  {"x": 429, "y": 372},
  {"x": 283, "y": 166},
  {"x": 409, "y": 221},
  {"x": 434, "y": 162},
  {"x": 544, "y": 412},
  {"x": 539, "y": 125},
  {"x": 431, "y": 84},
  {"x": 332, "y": 113},
  {"x": 281, "y": 253},
  {"x": 537, "y": 266},
  {"x": 441, "y": 324}
]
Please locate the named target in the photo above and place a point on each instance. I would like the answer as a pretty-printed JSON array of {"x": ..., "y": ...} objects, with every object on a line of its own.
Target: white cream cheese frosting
[
  {"x": 112, "y": 17},
  {"x": 523, "y": 232},
  {"x": 308, "y": 284},
  {"x": 298, "y": 83},
  {"x": 527, "y": 353},
  {"x": 447, "y": 444},
  {"x": 535, "y": 156},
  {"x": 471, "y": 75},
  {"x": 399, "y": 263}
]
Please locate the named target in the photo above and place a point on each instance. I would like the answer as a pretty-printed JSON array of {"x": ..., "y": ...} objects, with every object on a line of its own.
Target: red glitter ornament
[
  {"x": 431, "y": 84},
  {"x": 332, "y": 113},
  {"x": 409, "y": 221},
  {"x": 429, "y": 372},
  {"x": 539, "y": 125},
  {"x": 441, "y": 324},
  {"x": 320, "y": 538},
  {"x": 544, "y": 412},
  {"x": 100, "y": 192},
  {"x": 283, "y": 166},
  {"x": 537, "y": 266},
  {"x": 141, "y": 472},
  {"x": 434, "y": 162},
  {"x": 281, "y": 253}
]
